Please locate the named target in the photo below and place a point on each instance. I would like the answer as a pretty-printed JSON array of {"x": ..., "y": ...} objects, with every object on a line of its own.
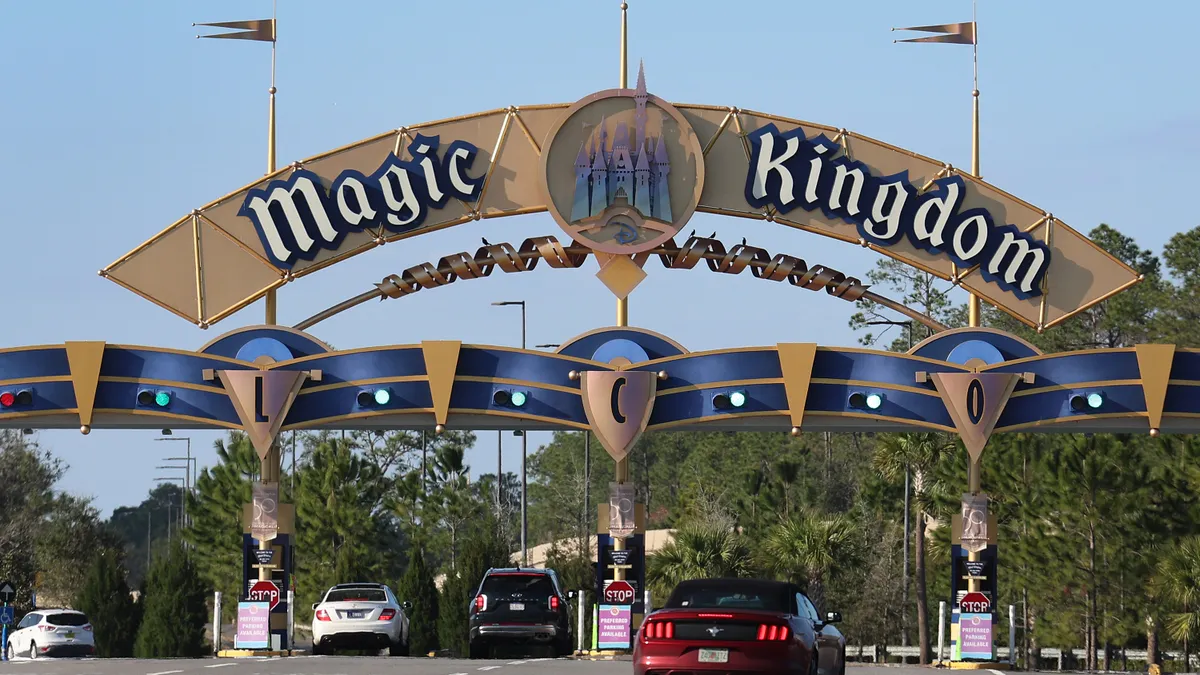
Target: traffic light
[
  {"x": 730, "y": 399},
  {"x": 154, "y": 399},
  {"x": 371, "y": 398},
  {"x": 22, "y": 397},
  {"x": 1086, "y": 402},
  {"x": 511, "y": 399},
  {"x": 866, "y": 400}
]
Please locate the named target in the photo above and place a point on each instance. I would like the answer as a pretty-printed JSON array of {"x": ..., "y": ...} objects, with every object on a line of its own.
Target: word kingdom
[
  {"x": 296, "y": 218},
  {"x": 788, "y": 171}
]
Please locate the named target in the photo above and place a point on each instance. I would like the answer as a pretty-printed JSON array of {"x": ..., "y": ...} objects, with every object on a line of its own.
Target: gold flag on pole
[
  {"x": 259, "y": 30},
  {"x": 952, "y": 33}
]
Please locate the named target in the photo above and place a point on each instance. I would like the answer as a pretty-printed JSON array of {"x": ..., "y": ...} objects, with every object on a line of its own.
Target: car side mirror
[
  {"x": 315, "y": 605},
  {"x": 406, "y": 606},
  {"x": 833, "y": 617}
]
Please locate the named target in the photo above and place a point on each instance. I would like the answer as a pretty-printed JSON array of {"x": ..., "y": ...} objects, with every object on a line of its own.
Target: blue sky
[{"x": 116, "y": 121}]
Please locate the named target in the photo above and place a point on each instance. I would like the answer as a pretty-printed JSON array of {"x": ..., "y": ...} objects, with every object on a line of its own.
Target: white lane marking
[
  {"x": 166, "y": 672},
  {"x": 490, "y": 667},
  {"x": 458, "y": 674},
  {"x": 221, "y": 665},
  {"x": 517, "y": 663},
  {"x": 995, "y": 672}
]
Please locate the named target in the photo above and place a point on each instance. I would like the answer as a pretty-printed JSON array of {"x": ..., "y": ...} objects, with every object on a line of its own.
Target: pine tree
[
  {"x": 483, "y": 548},
  {"x": 106, "y": 599},
  {"x": 175, "y": 611},
  {"x": 216, "y": 515},
  {"x": 417, "y": 587}
]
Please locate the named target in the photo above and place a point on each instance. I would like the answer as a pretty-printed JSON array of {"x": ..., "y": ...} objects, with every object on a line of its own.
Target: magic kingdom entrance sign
[{"x": 621, "y": 172}]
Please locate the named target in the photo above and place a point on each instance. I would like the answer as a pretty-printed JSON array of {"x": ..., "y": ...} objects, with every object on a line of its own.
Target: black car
[{"x": 520, "y": 606}]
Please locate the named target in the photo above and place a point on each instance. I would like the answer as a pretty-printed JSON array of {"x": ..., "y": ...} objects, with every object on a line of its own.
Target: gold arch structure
[{"x": 211, "y": 263}]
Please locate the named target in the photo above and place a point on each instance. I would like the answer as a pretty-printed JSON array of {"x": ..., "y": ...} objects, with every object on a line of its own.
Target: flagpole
[
  {"x": 270, "y": 318},
  {"x": 973, "y": 306},
  {"x": 623, "y": 303}
]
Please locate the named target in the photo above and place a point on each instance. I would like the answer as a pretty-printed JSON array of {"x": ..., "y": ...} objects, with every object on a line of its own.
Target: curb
[
  {"x": 245, "y": 653},
  {"x": 977, "y": 665}
]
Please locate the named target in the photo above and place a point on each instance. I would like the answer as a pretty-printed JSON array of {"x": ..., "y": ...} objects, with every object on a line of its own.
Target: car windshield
[
  {"x": 532, "y": 585},
  {"x": 65, "y": 619},
  {"x": 729, "y": 594},
  {"x": 356, "y": 595}
]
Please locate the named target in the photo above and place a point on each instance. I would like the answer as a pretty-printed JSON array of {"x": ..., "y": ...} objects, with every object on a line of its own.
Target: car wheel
[
  {"x": 477, "y": 650},
  {"x": 9, "y": 652},
  {"x": 33, "y": 650},
  {"x": 398, "y": 649},
  {"x": 842, "y": 668},
  {"x": 318, "y": 650}
]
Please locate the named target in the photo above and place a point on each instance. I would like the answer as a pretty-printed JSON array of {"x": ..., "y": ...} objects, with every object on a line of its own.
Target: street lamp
[
  {"x": 907, "y": 480},
  {"x": 191, "y": 462},
  {"x": 524, "y": 450},
  {"x": 165, "y": 479}
]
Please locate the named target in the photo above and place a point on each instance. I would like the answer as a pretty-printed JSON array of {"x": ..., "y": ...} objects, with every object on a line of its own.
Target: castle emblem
[
  {"x": 623, "y": 170},
  {"x": 631, "y": 172}
]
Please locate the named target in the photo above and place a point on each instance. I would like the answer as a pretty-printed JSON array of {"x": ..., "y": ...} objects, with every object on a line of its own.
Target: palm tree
[
  {"x": 918, "y": 454},
  {"x": 804, "y": 549},
  {"x": 698, "y": 552},
  {"x": 1177, "y": 584}
]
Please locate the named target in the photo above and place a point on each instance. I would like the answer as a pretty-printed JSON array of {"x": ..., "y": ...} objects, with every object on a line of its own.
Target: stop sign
[
  {"x": 264, "y": 591},
  {"x": 975, "y": 603},
  {"x": 618, "y": 593}
]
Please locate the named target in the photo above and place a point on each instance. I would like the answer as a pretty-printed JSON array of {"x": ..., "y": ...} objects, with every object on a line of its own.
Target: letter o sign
[{"x": 975, "y": 401}]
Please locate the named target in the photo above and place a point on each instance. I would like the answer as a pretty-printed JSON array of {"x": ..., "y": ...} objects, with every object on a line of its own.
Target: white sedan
[
  {"x": 360, "y": 616},
  {"x": 51, "y": 632}
]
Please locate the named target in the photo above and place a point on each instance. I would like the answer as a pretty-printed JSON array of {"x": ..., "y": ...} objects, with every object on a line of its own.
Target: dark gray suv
[{"x": 520, "y": 606}]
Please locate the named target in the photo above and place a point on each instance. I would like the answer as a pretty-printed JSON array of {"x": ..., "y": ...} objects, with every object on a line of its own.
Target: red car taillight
[
  {"x": 45, "y": 628},
  {"x": 769, "y": 633},
  {"x": 322, "y": 615},
  {"x": 480, "y": 603},
  {"x": 387, "y": 614},
  {"x": 554, "y": 603},
  {"x": 659, "y": 630},
  {"x": 88, "y": 627}
]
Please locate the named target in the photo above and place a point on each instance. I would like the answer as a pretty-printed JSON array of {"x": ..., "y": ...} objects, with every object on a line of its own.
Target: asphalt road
[{"x": 349, "y": 665}]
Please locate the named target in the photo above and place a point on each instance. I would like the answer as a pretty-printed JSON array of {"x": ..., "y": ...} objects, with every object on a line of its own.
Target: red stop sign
[
  {"x": 264, "y": 591},
  {"x": 975, "y": 603},
  {"x": 619, "y": 593}
]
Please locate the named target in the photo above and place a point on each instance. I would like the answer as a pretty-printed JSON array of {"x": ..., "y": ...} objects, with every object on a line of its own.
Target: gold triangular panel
[
  {"x": 441, "y": 363},
  {"x": 975, "y": 402},
  {"x": 231, "y": 274},
  {"x": 1154, "y": 366},
  {"x": 262, "y": 399},
  {"x": 165, "y": 271},
  {"x": 514, "y": 182}
]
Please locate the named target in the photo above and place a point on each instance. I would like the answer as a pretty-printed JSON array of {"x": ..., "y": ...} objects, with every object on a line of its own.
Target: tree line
[{"x": 1098, "y": 540}]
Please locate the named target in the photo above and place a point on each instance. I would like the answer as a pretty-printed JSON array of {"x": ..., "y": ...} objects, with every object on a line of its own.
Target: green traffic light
[
  {"x": 737, "y": 399},
  {"x": 382, "y": 396},
  {"x": 1095, "y": 400},
  {"x": 874, "y": 401},
  {"x": 518, "y": 398},
  {"x": 162, "y": 399}
]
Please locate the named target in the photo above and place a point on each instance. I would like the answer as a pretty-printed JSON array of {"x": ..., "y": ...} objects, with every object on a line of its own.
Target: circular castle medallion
[{"x": 623, "y": 170}]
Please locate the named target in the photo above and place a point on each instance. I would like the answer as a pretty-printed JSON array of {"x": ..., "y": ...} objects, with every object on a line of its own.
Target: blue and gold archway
[{"x": 785, "y": 386}]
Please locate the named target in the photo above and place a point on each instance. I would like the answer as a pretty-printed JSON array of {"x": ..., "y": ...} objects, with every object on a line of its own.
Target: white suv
[
  {"x": 360, "y": 616},
  {"x": 51, "y": 632}
]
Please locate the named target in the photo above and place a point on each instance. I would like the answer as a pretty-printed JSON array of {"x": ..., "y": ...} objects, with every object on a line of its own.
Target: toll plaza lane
[{"x": 352, "y": 665}]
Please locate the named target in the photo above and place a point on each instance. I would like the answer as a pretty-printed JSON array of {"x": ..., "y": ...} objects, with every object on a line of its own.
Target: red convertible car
[{"x": 739, "y": 626}]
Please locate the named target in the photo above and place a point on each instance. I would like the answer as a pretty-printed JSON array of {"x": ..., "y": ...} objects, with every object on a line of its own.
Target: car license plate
[
  {"x": 352, "y": 614},
  {"x": 70, "y": 635},
  {"x": 714, "y": 656},
  {"x": 517, "y": 606}
]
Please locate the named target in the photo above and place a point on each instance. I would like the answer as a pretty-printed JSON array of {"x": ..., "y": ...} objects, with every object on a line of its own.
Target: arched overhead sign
[{"x": 621, "y": 171}]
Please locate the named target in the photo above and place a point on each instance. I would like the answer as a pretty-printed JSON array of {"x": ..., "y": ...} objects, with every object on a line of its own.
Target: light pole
[
  {"x": 165, "y": 479},
  {"x": 499, "y": 474},
  {"x": 191, "y": 462},
  {"x": 907, "y": 480},
  {"x": 524, "y": 449}
]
